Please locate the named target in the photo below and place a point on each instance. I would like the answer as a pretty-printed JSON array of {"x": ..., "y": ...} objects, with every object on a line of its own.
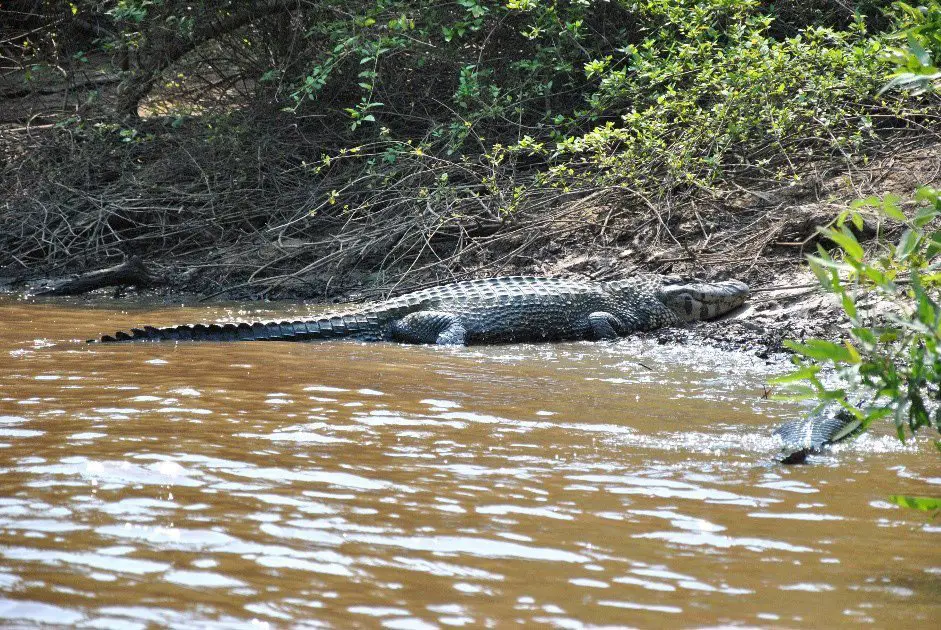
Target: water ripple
[{"x": 340, "y": 485}]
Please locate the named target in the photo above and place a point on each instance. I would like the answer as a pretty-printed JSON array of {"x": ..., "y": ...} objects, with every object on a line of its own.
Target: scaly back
[{"x": 475, "y": 291}]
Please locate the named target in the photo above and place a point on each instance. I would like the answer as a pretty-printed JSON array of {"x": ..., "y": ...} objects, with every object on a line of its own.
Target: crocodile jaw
[{"x": 693, "y": 300}]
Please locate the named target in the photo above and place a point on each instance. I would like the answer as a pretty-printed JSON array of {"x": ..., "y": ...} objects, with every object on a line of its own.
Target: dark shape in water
[{"x": 813, "y": 434}]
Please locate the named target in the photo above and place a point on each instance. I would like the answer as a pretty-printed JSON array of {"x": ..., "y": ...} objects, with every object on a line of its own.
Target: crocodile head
[{"x": 691, "y": 299}]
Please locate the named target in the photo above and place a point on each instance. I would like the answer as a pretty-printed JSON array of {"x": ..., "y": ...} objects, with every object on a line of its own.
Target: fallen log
[{"x": 132, "y": 272}]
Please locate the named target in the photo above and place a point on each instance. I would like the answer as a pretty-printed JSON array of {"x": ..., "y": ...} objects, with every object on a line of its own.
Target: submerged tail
[
  {"x": 361, "y": 327},
  {"x": 810, "y": 435}
]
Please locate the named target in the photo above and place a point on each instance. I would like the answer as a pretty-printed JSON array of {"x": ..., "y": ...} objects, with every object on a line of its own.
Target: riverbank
[
  {"x": 170, "y": 150},
  {"x": 762, "y": 239}
]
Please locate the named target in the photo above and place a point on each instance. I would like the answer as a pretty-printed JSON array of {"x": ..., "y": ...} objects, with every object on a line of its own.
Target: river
[{"x": 344, "y": 484}]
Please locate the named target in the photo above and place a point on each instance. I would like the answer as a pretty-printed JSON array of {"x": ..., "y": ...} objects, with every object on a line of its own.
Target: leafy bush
[
  {"x": 420, "y": 126},
  {"x": 921, "y": 28},
  {"x": 892, "y": 358},
  {"x": 895, "y": 356},
  {"x": 707, "y": 92}
]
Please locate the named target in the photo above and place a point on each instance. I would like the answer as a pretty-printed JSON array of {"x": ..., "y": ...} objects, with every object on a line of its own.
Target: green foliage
[
  {"x": 707, "y": 83},
  {"x": 451, "y": 119},
  {"x": 920, "y": 27},
  {"x": 924, "y": 504},
  {"x": 895, "y": 357},
  {"x": 651, "y": 94},
  {"x": 893, "y": 360}
]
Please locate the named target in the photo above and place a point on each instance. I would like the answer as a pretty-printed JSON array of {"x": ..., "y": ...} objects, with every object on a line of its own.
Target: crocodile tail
[
  {"x": 806, "y": 436},
  {"x": 362, "y": 327}
]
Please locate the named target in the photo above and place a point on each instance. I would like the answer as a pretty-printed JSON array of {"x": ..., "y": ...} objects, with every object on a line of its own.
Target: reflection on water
[{"x": 568, "y": 485}]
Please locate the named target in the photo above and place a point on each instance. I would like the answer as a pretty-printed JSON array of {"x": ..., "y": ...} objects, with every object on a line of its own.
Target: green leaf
[
  {"x": 830, "y": 263},
  {"x": 822, "y": 350},
  {"x": 855, "y": 357},
  {"x": 865, "y": 335},
  {"x": 857, "y": 220},
  {"x": 877, "y": 413},
  {"x": 803, "y": 373},
  {"x": 929, "y": 194},
  {"x": 825, "y": 277},
  {"x": 934, "y": 244},
  {"x": 890, "y": 207},
  {"x": 923, "y": 56},
  {"x": 846, "y": 240},
  {"x": 868, "y": 202},
  {"x": 925, "y": 216},
  {"x": 902, "y": 79},
  {"x": 889, "y": 335},
  {"x": 924, "y": 504},
  {"x": 907, "y": 244},
  {"x": 878, "y": 277},
  {"x": 849, "y": 307},
  {"x": 927, "y": 309},
  {"x": 797, "y": 392}
]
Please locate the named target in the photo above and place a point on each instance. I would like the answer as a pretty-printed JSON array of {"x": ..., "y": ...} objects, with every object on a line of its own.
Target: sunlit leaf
[
  {"x": 878, "y": 277},
  {"x": 866, "y": 202},
  {"x": 924, "y": 216},
  {"x": 865, "y": 335},
  {"x": 934, "y": 244},
  {"x": 853, "y": 352},
  {"x": 823, "y": 350},
  {"x": 797, "y": 375},
  {"x": 857, "y": 220},
  {"x": 831, "y": 264},
  {"x": 849, "y": 307},
  {"x": 796, "y": 392},
  {"x": 924, "y": 504},
  {"x": 923, "y": 56},
  {"x": 846, "y": 240},
  {"x": 890, "y": 207},
  {"x": 907, "y": 244}
]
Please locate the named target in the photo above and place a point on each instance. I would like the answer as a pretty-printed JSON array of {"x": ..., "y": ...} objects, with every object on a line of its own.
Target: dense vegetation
[
  {"x": 316, "y": 141},
  {"x": 889, "y": 366}
]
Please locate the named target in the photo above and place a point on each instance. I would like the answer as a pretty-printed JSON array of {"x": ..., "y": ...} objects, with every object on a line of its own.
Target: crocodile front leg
[
  {"x": 604, "y": 325},
  {"x": 436, "y": 327}
]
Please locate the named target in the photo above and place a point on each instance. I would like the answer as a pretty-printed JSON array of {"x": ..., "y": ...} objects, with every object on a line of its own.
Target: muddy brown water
[{"x": 346, "y": 484}]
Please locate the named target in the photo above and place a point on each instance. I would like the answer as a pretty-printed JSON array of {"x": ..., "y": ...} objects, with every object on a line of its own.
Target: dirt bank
[{"x": 760, "y": 236}]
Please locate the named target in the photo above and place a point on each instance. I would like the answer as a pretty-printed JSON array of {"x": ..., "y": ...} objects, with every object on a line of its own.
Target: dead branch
[{"x": 132, "y": 272}]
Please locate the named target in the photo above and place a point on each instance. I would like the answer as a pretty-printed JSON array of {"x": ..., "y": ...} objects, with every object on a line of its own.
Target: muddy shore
[
  {"x": 767, "y": 319},
  {"x": 763, "y": 238}
]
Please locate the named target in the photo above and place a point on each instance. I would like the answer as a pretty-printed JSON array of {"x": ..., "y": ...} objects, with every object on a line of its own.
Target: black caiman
[{"x": 494, "y": 310}]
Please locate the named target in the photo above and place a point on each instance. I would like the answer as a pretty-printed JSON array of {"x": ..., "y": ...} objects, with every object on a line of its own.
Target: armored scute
[{"x": 495, "y": 310}]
